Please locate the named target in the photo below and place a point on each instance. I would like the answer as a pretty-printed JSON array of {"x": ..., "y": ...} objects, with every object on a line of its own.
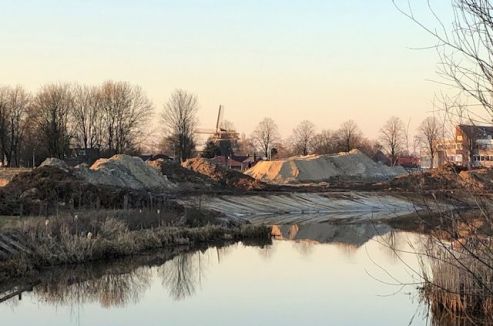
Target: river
[{"x": 343, "y": 275}]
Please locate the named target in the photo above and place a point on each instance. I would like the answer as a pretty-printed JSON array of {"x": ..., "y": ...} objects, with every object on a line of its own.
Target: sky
[{"x": 326, "y": 61}]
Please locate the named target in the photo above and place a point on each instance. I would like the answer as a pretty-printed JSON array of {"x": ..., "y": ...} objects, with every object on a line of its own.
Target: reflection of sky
[{"x": 289, "y": 283}]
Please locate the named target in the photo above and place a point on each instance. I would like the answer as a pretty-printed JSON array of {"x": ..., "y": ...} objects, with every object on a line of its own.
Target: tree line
[
  {"x": 394, "y": 139},
  {"x": 108, "y": 118},
  {"x": 112, "y": 118}
]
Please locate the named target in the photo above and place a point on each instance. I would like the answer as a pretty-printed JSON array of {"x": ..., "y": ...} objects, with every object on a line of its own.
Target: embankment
[
  {"x": 299, "y": 207},
  {"x": 30, "y": 250}
]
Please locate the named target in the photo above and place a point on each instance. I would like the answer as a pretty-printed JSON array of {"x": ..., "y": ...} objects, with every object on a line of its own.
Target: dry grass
[
  {"x": 460, "y": 282},
  {"x": 100, "y": 236}
]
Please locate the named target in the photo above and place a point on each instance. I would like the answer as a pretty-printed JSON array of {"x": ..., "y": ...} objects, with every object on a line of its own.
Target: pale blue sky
[{"x": 326, "y": 61}]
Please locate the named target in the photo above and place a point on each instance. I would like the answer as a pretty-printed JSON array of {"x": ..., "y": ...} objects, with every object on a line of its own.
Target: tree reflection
[
  {"x": 109, "y": 290},
  {"x": 182, "y": 275}
]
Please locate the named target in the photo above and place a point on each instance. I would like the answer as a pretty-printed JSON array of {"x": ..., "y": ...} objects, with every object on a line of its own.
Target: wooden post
[{"x": 125, "y": 202}]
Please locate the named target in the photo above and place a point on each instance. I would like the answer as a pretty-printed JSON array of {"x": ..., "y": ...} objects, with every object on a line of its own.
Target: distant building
[
  {"x": 476, "y": 145},
  {"x": 236, "y": 162},
  {"x": 472, "y": 146},
  {"x": 409, "y": 162}
]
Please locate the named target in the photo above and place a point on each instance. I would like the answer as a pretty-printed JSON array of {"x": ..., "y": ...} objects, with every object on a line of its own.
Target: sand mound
[
  {"x": 185, "y": 178},
  {"x": 7, "y": 174},
  {"x": 318, "y": 168},
  {"x": 223, "y": 176},
  {"x": 479, "y": 180},
  {"x": 48, "y": 189},
  {"x": 124, "y": 171},
  {"x": 55, "y": 162},
  {"x": 448, "y": 177}
]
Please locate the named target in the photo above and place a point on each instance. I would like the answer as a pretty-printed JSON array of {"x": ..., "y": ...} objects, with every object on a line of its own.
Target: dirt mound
[
  {"x": 481, "y": 179},
  {"x": 56, "y": 162},
  {"x": 318, "y": 168},
  {"x": 124, "y": 171},
  {"x": 48, "y": 189},
  {"x": 182, "y": 176},
  {"x": 7, "y": 174},
  {"x": 223, "y": 176},
  {"x": 447, "y": 177}
]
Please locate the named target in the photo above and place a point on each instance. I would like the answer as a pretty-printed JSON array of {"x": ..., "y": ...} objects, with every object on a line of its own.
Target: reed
[
  {"x": 459, "y": 282},
  {"x": 74, "y": 240}
]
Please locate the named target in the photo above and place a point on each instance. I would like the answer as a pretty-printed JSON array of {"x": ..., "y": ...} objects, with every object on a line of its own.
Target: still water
[{"x": 352, "y": 277}]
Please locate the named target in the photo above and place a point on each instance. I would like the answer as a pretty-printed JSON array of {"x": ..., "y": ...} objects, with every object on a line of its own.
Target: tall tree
[
  {"x": 265, "y": 135},
  {"x": 87, "y": 117},
  {"x": 126, "y": 109},
  {"x": 393, "y": 138},
  {"x": 4, "y": 118},
  {"x": 430, "y": 132},
  {"x": 349, "y": 135},
  {"x": 302, "y": 137},
  {"x": 180, "y": 120},
  {"x": 325, "y": 142},
  {"x": 52, "y": 106},
  {"x": 211, "y": 150}
]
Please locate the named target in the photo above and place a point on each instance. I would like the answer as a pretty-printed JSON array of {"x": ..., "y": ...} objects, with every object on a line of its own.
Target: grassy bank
[
  {"x": 458, "y": 287},
  {"x": 98, "y": 236}
]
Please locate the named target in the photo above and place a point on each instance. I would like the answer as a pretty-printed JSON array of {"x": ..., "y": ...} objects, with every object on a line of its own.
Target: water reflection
[
  {"x": 119, "y": 283},
  {"x": 351, "y": 234},
  {"x": 181, "y": 275},
  {"x": 316, "y": 271},
  {"x": 110, "y": 290}
]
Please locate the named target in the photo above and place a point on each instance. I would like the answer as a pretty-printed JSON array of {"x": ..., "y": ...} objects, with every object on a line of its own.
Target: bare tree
[
  {"x": 461, "y": 268},
  {"x": 20, "y": 102},
  {"x": 52, "y": 106},
  {"x": 265, "y": 135},
  {"x": 369, "y": 147},
  {"x": 246, "y": 145},
  {"x": 180, "y": 120},
  {"x": 430, "y": 132},
  {"x": 325, "y": 142},
  {"x": 87, "y": 117},
  {"x": 4, "y": 118},
  {"x": 465, "y": 49},
  {"x": 126, "y": 109},
  {"x": 349, "y": 135},
  {"x": 302, "y": 137},
  {"x": 392, "y": 136}
]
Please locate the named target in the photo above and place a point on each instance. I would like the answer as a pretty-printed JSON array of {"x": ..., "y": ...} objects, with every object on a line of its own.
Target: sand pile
[
  {"x": 7, "y": 174},
  {"x": 318, "y": 168},
  {"x": 223, "y": 176},
  {"x": 447, "y": 177},
  {"x": 479, "y": 180},
  {"x": 124, "y": 171},
  {"x": 48, "y": 189},
  {"x": 55, "y": 162},
  {"x": 186, "y": 179}
]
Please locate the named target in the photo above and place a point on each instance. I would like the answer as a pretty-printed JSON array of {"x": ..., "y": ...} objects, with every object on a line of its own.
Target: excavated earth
[
  {"x": 350, "y": 166},
  {"x": 299, "y": 208}
]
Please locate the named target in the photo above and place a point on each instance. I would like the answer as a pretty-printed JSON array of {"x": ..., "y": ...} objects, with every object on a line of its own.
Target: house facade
[{"x": 471, "y": 146}]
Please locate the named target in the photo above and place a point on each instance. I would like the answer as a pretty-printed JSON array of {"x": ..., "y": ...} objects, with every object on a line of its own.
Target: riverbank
[{"x": 32, "y": 244}]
